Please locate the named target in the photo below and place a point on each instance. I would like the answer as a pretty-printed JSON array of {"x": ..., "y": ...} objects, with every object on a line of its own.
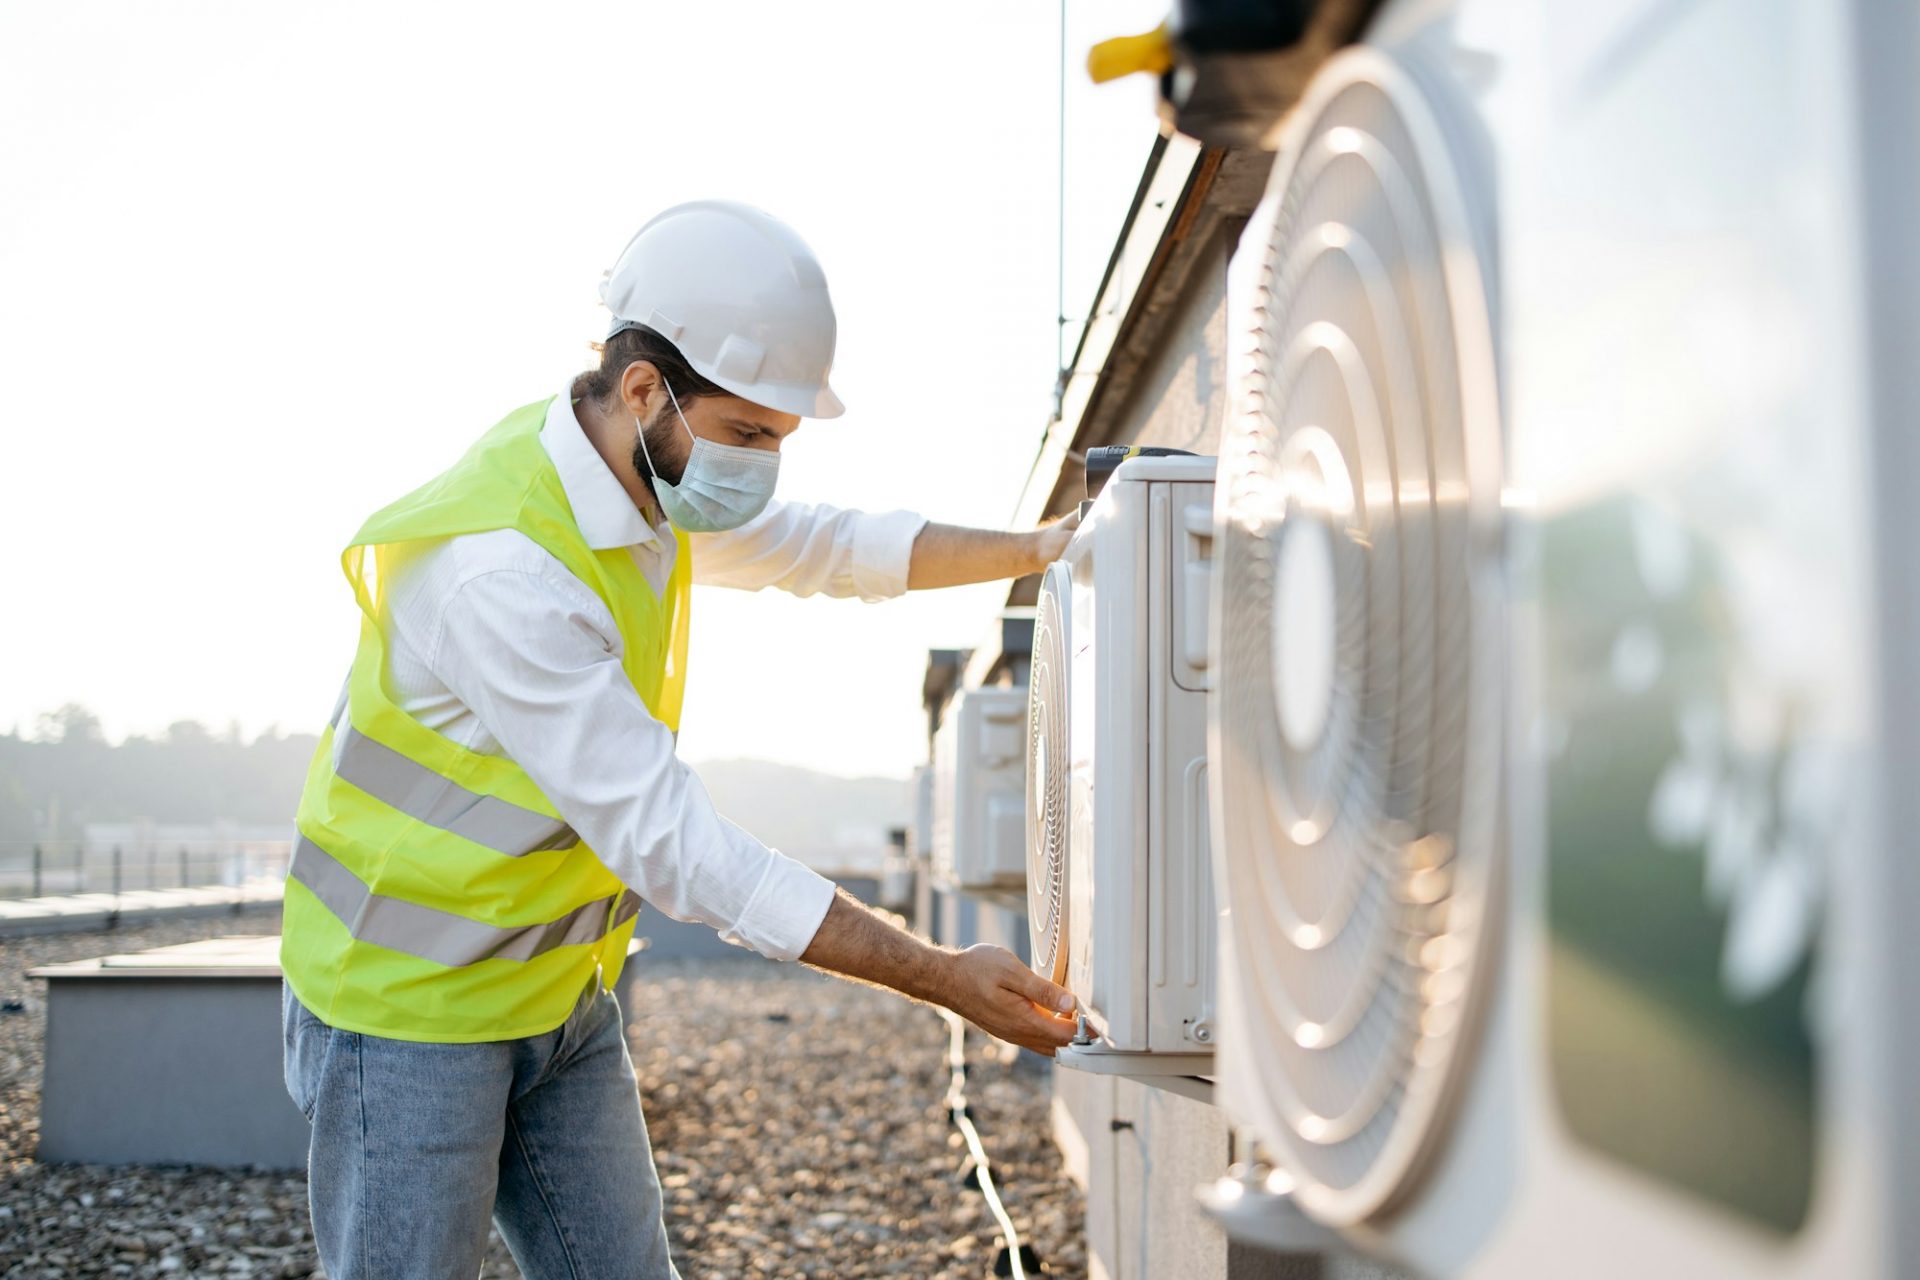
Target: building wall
[
  {"x": 1180, "y": 398},
  {"x": 1141, "y": 1152}
]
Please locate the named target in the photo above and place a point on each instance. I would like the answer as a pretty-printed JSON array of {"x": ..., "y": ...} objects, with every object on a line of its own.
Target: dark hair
[{"x": 642, "y": 343}]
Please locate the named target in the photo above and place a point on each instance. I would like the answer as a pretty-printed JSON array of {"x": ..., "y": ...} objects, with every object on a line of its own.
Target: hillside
[
  {"x": 67, "y": 775},
  {"x": 810, "y": 815}
]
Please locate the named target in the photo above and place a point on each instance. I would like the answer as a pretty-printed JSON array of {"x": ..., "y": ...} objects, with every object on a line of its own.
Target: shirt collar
[{"x": 605, "y": 514}]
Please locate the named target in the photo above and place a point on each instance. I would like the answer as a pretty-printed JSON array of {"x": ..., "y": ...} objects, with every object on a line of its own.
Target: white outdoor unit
[
  {"x": 1564, "y": 741},
  {"x": 920, "y": 834},
  {"x": 979, "y": 770},
  {"x": 896, "y": 882},
  {"x": 1119, "y": 890}
]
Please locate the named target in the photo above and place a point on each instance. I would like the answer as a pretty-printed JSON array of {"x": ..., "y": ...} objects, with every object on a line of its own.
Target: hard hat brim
[{"x": 803, "y": 401}]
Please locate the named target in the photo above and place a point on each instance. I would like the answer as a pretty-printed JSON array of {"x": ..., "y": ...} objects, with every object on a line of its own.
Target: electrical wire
[
  {"x": 956, "y": 1101},
  {"x": 1062, "y": 375},
  {"x": 1060, "y": 238}
]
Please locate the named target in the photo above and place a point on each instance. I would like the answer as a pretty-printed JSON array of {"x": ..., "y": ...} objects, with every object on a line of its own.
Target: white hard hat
[{"x": 740, "y": 294}]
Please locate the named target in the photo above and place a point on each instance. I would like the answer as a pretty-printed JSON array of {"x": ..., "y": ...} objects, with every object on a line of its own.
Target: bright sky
[{"x": 265, "y": 267}]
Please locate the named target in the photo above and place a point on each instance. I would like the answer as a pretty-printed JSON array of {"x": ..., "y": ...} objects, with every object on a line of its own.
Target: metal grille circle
[
  {"x": 1047, "y": 763},
  {"x": 1356, "y": 723}
]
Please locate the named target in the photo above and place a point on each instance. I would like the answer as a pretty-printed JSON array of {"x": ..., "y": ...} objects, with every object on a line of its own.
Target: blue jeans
[{"x": 415, "y": 1146}]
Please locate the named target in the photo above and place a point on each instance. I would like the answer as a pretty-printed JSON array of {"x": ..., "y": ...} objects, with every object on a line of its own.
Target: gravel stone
[{"x": 796, "y": 1121}]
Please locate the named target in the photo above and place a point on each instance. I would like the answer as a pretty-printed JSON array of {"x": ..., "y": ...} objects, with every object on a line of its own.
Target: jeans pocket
[{"x": 305, "y": 1042}]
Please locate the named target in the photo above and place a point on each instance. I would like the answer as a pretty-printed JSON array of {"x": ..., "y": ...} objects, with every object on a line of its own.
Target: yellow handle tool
[{"x": 1151, "y": 51}]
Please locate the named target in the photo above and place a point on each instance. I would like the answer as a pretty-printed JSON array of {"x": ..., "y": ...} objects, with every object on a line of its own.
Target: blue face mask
[{"x": 722, "y": 486}]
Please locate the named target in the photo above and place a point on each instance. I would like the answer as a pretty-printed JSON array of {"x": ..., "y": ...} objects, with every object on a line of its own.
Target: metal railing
[{"x": 47, "y": 868}]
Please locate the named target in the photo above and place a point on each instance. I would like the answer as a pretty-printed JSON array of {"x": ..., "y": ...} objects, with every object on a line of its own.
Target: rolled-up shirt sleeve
[
  {"x": 536, "y": 657},
  {"x": 812, "y": 550}
]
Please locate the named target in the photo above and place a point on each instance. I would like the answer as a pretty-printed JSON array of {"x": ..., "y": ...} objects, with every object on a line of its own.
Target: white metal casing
[
  {"x": 1699, "y": 715},
  {"x": 896, "y": 882},
  {"x": 920, "y": 834},
  {"x": 979, "y": 775},
  {"x": 1137, "y": 924}
]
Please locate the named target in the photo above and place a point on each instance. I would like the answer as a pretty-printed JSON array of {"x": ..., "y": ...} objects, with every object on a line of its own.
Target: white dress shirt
[{"x": 494, "y": 644}]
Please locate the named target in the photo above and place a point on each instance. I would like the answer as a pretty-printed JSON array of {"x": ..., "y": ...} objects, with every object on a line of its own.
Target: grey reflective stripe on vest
[
  {"x": 441, "y": 936},
  {"x": 419, "y": 792}
]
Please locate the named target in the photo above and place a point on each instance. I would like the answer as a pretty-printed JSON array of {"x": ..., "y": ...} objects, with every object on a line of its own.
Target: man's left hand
[
  {"x": 947, "y": 555},
  {"x": 1050, "y": 540}
]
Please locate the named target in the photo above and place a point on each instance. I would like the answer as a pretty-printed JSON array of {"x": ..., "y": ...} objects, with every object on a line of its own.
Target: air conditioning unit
[
  {"x": 897, "y": 872},
  {"x": 1564, "y": 737},
  {"x": 920, "y": 834},
  {"x": 979, "y": 776},
  {"x": 895, "y": 892},
  {"x": 1119, "y": 890}
]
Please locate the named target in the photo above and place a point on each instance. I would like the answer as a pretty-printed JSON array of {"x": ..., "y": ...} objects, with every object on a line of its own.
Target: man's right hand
[
  {"x": 986, "y": 985},
  {"x": 1004, "y": 998}
]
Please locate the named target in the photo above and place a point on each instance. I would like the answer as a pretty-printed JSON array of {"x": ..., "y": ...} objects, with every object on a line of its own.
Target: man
[{"x": 498, "y": 788}]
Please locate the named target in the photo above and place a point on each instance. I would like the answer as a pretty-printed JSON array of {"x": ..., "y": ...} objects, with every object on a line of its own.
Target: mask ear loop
[
  {"x": 676, "y": 409},
  {"x": 642, "y": 429}
]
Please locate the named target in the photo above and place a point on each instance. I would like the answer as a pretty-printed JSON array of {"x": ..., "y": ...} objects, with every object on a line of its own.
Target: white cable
[{"x": 957, "y": 1104}]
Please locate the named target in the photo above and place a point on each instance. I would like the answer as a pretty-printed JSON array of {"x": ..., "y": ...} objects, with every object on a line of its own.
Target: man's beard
[{"x": 660, "y": 439}]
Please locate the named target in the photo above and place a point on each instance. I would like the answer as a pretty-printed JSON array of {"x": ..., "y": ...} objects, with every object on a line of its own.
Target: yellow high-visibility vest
[{"x": 435, "y": 894}]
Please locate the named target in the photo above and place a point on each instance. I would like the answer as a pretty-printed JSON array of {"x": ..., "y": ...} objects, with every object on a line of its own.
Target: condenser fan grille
[
  {"x": 1357, "y": 488},
  {"x": 1047, "y": 764}
]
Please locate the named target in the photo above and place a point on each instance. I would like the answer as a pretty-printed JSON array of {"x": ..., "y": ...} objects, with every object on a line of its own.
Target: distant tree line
[{"x": 66, "y": 774}]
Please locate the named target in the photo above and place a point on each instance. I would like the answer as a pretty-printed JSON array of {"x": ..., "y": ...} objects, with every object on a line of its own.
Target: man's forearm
[
  {"x": 986, "y": 984},
  {"x": 856, "y": 943},
  {"x": 946, "y": 555}
]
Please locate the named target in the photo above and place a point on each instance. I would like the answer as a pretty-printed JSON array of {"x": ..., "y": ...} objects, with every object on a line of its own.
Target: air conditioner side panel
[{"x": 1178, "y": 959}]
